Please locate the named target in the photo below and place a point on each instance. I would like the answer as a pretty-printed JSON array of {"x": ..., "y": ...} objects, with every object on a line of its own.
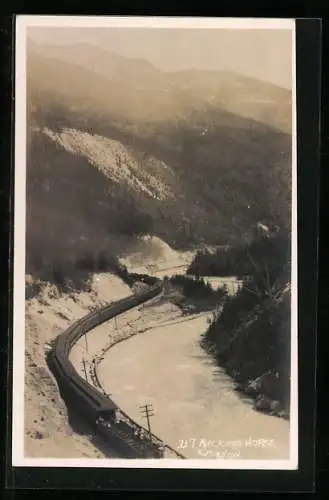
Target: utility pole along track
[{"x": 99, "y": 410}]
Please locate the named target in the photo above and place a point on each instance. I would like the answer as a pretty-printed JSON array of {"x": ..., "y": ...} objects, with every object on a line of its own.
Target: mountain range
[{"x": 115, "y": 143}]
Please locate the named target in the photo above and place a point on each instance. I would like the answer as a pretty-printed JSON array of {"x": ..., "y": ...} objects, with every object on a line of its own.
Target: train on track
[{"x": 97, "y": 408}]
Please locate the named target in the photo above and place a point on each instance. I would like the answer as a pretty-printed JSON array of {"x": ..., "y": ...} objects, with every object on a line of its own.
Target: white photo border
[{"x": 18, "y": 458}]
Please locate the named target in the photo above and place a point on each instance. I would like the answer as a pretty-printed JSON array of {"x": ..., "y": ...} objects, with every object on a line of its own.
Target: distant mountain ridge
[{"x": 245, "y": 96}]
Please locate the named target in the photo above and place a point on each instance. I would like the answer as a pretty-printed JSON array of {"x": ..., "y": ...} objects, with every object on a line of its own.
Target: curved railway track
[{"x": 129, "y": 438}]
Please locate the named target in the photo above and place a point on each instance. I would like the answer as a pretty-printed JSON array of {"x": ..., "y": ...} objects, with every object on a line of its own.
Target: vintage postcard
[{"x": 155, "y": 243}]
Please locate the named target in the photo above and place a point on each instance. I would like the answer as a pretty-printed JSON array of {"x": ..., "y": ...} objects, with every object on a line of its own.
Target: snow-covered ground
[{"x": 47, "y": 431}]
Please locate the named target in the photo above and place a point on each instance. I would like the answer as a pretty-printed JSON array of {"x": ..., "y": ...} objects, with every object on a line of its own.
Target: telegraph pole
[
  {"x": 84, "y": 367},
  {"x": 147, "y": 412},
  {"x": 86, "y": 342}
]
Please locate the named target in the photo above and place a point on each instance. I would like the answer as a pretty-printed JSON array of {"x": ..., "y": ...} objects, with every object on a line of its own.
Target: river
[{"x": 196, "y": 409}]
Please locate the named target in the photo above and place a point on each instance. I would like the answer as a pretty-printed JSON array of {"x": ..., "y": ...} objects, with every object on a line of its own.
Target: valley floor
[{"x": 162, "y": 363}]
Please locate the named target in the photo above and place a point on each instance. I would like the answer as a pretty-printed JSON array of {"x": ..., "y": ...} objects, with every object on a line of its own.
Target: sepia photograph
[{"x": 155, "y": 265}]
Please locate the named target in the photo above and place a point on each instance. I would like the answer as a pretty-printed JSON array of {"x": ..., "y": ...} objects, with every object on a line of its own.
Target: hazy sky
[{"x": 264, "y": 54}]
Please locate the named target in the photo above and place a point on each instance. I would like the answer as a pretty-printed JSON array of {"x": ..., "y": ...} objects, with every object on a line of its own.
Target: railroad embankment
[{"x": 48, "y": 313}]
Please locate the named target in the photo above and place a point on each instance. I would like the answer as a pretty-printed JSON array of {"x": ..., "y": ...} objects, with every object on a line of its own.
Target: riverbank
[
  {"x": 250, "y": 339},
  {"x": 191, "y": 398}
]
